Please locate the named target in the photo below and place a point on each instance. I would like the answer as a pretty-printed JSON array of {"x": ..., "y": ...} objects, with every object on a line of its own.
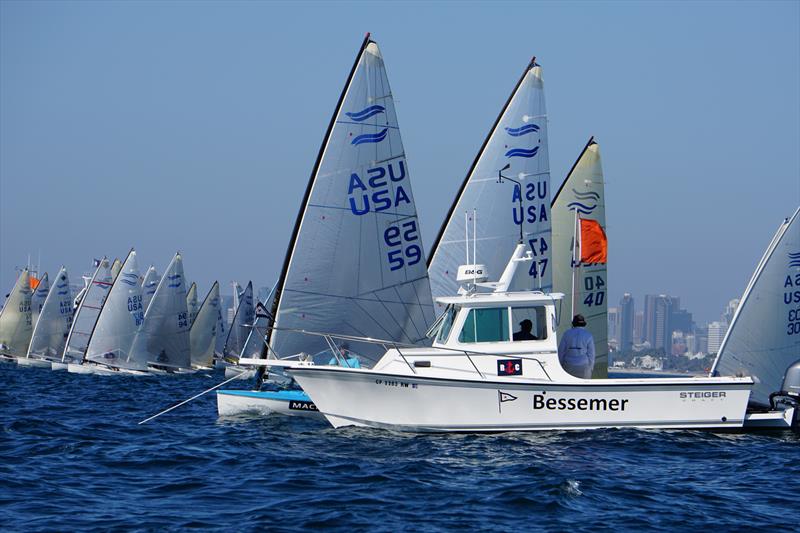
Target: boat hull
[
  {"x": 243, "y": 373},
  {"x": 75, "y": 368},
  {"x": 290, "y": 403},
  {"x": 55, "y": 365},
  {"x": 425, "y": 404},
  {"x": 29, "y": 361}
]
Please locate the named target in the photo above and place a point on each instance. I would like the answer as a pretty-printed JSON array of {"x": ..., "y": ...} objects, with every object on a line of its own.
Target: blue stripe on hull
[{"x": 285, "y": 395}]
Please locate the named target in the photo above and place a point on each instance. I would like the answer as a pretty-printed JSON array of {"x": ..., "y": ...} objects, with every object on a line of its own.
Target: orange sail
[
  {"x": 34, "y": 282},
  {"x": 594, "y": 244}
]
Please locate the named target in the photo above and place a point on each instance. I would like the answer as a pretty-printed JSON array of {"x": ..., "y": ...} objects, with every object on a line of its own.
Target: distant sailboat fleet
[{"x": 364, "y": 328}]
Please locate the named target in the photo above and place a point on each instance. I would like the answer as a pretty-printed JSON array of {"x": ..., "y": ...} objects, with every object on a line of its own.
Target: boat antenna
[{"x": 500, "y": 179}]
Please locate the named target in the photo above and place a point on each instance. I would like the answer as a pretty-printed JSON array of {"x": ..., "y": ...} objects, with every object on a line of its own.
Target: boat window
[
  {"x": 529, "y": 323},
  {"x": 485, "y": 325},
  {"x": 447, "y": 319}
]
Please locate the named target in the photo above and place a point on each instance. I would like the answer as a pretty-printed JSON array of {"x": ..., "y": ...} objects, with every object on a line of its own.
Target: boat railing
[{"x": 343, "y": 360}]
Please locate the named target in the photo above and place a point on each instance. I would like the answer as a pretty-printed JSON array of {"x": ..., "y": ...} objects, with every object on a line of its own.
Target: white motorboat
[{"x": 475, "y": 378}]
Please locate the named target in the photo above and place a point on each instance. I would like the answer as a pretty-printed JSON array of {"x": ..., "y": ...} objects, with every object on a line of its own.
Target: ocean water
[{"x": 72, "y": 457}]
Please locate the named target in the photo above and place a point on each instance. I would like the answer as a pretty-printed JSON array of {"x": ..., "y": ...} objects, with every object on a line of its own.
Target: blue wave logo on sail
[
  {"x": 522, "y": 130},
  {"x": 522, "y": 152},
  {"x": 367, "y": 112},
  {"x": 62, "y": 293},
  {"x": 794, "y": 259},
  {"x": 176, "y": 276},
  {"x": 132, "y": 283},
  {"x": 587, "y": 204},
  {"x": 370, "y": 137},
  {"x": 178, "y": 284}
]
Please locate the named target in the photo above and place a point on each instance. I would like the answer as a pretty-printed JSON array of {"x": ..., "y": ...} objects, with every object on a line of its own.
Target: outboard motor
[{"x": 790, "y": 393}]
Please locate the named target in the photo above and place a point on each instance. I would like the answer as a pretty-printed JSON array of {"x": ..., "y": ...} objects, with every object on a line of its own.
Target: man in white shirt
[{"x": 576, "y": 349}]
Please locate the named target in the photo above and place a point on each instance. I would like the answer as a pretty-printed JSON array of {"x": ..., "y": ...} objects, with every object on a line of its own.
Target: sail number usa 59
[{"x": 403, "y": 251}]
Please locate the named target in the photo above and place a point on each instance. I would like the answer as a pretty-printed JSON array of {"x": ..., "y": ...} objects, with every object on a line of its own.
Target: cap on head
[{"x": 578, "y": 321}]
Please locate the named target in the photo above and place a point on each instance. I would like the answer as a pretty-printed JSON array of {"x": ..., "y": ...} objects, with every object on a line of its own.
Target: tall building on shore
[
  {"x": 613, "y": 325},
  {"x": 626, "y": 322},
  {"x": 716, "y": 332},
  {"x": 638, "y": 327},
  {"x": 658, "y": 321}
]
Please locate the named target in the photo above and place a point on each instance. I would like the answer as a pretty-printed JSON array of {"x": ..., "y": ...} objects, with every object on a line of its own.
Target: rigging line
[
  {"x": 408, "y": 315},
  {"x": 184, "y": 402},
  {"x": 392, "y": 316}
]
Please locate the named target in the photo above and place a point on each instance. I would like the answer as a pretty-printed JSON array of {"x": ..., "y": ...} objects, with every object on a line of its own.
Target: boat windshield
[
  {"x": 485, "y": 325},
  {"x": 446, "y": 323}
]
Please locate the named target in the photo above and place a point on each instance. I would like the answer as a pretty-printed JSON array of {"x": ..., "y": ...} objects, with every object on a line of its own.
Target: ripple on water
[{"x": 73, "y": 457}]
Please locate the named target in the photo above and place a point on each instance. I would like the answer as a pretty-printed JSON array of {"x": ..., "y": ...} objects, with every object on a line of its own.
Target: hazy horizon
[{"x": 194, "y": 126}]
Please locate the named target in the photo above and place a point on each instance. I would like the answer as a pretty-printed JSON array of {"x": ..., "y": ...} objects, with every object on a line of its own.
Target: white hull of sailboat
[
  {"x": 55, "y": 365},
  {"x": 420, "y": 404},
  {"x": 289, "y": 403},
  {"x": 161, "y": 369},
  {"x": 29, "y": 361},
  {"x": 74, "y": 368},
  {"x": 243, "y": 373}
]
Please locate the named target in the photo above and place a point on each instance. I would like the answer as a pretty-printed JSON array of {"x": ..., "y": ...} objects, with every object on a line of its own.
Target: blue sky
[{"x": 194, "y": 126}]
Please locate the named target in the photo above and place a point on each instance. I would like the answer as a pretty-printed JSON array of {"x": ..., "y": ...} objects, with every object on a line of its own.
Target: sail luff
[
  {"x": 309, "y": 188},
  {"x": 763, "y": 338},
  {"x": 451, "y": 212},
  {"x": 52, "y": 328}
]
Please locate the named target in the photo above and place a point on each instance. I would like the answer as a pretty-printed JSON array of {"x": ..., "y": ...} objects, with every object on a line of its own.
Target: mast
[{"x": 304, "y": 205}]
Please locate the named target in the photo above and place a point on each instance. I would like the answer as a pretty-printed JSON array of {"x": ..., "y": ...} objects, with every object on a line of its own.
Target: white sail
[
  {"x": 55, "y": 319},
  {"x": 116, "y": 266},
  {"x": 120, "y": 319},
  {"x": 242, "y": 322},
  {"x": 149, "y": 285},
  {"x": 191, "y": 303},
  {"x": 203, "y": 332},
  {"x": 15, "y": 319},
  {"x": 764, "y": 336},
  {"x": 516, "y": 147},
  {"x": 87, "y": 312},
  {"x": 38, "y": 296},
  {"x": 254, "y": 346},
  {"x": 163, "y": 338},
  {"x": 581, "y": 197},
  {"x": 356, "y": 263}
]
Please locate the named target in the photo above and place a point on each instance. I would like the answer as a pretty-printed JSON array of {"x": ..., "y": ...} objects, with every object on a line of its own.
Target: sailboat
[
  {"x": 15, "y": 319},
  {"x": 38, "y": 296},
  {"x": 116, "y": 266},
  {"x": 355, "y": 264},
  {"x": 85, "y": 318},
  {"x": 255, "y": 342},
  {"x": 763, "y": 339},
  {"x": 203, "y": 331},
  {"x": 580, "y": 250},
  {"x": 121, "y": 316},
  {"x": 149, "y": 285},
  {"x": 191, "y": 303},
  {"x": 242, "y": 322},
  {"x": 503, "y": 214},
  {"x": 162, "y": 341},
  {"x": 52, "y": 327}
]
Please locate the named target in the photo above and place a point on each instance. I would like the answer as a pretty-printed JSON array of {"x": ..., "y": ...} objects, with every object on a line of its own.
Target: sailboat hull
[
  {"x": 290, "y": 403},
  {"x": 422, "y": 404},
  {"x": 89, "y": 368},
  {"x": 55, "y": 365},
  {"x": 29, "y": 361}
]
